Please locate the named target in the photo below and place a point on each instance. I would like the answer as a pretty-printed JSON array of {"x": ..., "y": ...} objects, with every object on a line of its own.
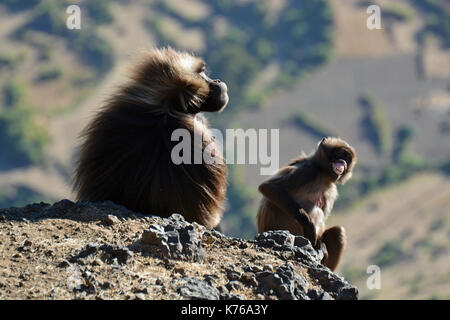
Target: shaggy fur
[
  {"x": 300, "y": 197},
  {"x": 125, "y": 154}
]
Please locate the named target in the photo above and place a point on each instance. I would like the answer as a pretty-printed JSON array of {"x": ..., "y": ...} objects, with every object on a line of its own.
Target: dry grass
[{"x": 415, "y": 215}]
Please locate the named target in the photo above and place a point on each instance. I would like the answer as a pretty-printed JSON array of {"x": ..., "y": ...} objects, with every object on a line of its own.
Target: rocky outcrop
[{"x": 104, "y": 251}]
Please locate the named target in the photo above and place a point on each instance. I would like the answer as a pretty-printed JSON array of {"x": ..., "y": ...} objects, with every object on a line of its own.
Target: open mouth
[{"x": 339, "y": 167}]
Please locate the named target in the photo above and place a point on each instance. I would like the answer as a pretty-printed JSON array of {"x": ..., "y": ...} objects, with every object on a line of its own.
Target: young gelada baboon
[
  {"x": 125, "y": 155},
  {"x": 300, "y": 197}
]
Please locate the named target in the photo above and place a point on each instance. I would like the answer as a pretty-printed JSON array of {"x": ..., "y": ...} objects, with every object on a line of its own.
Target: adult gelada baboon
[
  {"x": 300, "y": 197},
  {"x": 125, "y": 155}
]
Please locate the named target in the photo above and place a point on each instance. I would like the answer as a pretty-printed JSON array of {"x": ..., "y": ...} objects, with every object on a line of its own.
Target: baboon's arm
[{"x": 276, "y": 191}]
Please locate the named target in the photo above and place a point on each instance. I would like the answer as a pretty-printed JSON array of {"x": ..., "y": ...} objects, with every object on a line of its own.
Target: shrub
[
  {"x": 389, "y": 253},
  {"x": 403, "y": 138},
  {"x": 100, "y": 11},
  {"x": 10, "y": 61},
  {"x": 377, "y": 124},
  {"x": 352, "y": 274},
  {"x": 437, "y": 18},
  {"x": 17, "y": 5},
  {"x": 94, "y": 50},
  {"x": 49, "y": 73},
  {"x": 14, "y": 92},
  {"x": 23, "y": 196},
  {"x": 47, "y": 17},
  {"x": 398, "y": 12},
  {"x": 22, "y": 139},
  {"x": 307, "y": 122}
]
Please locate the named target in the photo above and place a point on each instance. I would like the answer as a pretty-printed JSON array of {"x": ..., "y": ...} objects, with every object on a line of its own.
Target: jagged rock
[
  {"x": 275, "y": 238},
  {"x": 143, "y": 257},
  {"x": 109, "y": 253},
  {"x": 284, "y": 282},
  {"x": 196, "y": 289},
  {"x": 176, "y": 238}
]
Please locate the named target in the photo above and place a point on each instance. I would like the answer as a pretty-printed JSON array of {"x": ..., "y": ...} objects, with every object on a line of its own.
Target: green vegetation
[
  {"x": 397, "y": 12},
  {"x": 22, "y": 137},
  {"x": 10, "y": 61},
  {"x": 94, "y": 50},
  {"x": 390, "y": 252},
  {"x": 100, "y": 11},
  {"x": 437, "y": 18},
  {"x": 416, "y": 283},
  {"x": 13, "y": 92},
  {"x": 315, "y": 127},
  {"x": 300, "y": 40},
  {"x": 437, "y": 224},
  {"x": 240, "y": 215},
  {"x": 359, "y": 187},
  {"x": 49, "y": 73},
  {"x": 352, "y": 274},
  {"x": 23, "y": 196},
  {"x": 404, "y": 135},
  {"x": 156, "y": 24},
  {"x": 376, "y": 124},
  {"x": 17, "y": 5},
  {"x": 49, "y": 17}
]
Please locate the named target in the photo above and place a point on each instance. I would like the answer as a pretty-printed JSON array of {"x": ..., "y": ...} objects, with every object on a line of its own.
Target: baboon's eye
[{"x": 202, "y": 67}]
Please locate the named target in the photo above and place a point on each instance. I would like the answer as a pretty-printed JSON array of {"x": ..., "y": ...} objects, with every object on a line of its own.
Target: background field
[{"x": 309, "y": 68}]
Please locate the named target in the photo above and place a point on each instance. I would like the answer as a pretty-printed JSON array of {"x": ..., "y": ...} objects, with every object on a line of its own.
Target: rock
[
  {"x": 176, "y": 239},
  {"x": 139, "y": 296},
  {"x": 234, "y": 285},
  {"x": 111, "y": 220},
  {"x": 227, "y": 296},
  {"x": 154, "y": 235},
  {"x": 276, "y": 240},
  {"x": 285, "y": 283},
  {"x": 179, "y": 270},
  {"x": 268, "y": 267},
  {"x": 347, "y": 293},
  {"x": 27, "y": 243},
  {"x": 108, "y": 253},
  {"x": 196, "y": 289},
  {"x": 114, "y": 264},
  {"x": 233, "y": 275},
  {"x": 249, "y": 279}
]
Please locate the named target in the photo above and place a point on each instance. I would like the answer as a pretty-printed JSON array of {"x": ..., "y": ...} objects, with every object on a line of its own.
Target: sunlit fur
[
  {"x": 125, "y": 154},
  {"x": 304, "y": 178}
]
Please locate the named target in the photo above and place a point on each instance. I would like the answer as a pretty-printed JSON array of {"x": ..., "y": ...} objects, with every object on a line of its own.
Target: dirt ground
[{"x": 49, "y": 257}]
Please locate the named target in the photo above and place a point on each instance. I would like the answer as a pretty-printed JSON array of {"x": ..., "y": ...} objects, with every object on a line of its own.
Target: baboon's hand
[
  {"x": 308, "y": 227},
  {"x": 321, "y": 246}
]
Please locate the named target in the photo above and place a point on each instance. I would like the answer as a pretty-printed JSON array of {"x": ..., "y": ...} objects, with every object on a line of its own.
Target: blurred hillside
[{"x": 309, "y": 68}]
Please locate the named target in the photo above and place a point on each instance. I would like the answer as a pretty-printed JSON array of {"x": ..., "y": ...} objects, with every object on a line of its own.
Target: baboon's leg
[{"x": 334, "y": 239}]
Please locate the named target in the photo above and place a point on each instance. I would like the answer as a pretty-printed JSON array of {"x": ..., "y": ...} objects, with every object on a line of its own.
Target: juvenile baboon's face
[{"x": 339, "y": 158}]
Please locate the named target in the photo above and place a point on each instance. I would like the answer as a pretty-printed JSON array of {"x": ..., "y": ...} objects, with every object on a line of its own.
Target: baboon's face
[
  {"x": 218, "y": 93},
  {"x": 339, "y": 159},
  {"x": 177, "y": 81}
]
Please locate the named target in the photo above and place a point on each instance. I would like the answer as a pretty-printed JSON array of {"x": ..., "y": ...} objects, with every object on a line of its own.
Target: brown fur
[
  {"x": 287, "y": 203},
  {"x": 125, "y": 156}
]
